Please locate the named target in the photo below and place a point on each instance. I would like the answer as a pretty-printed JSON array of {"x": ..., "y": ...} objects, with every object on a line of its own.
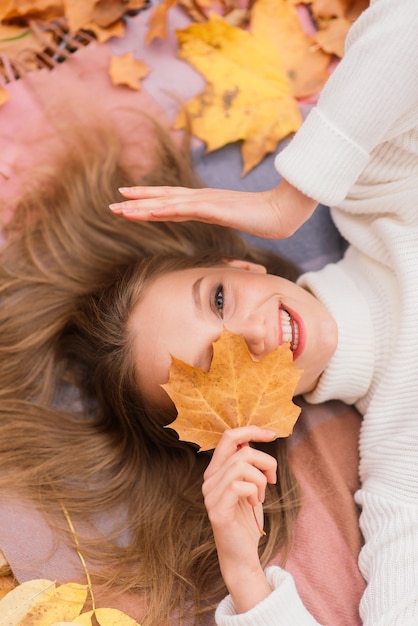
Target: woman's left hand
[
  {"x": 274, "y": 214},
  {"x": 234, "y": 490}
]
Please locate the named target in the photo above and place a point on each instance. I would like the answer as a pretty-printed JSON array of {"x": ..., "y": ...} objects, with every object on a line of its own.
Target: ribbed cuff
[
  {"x": 283, "y": 607},
  {"x": 320, "y": 161}
]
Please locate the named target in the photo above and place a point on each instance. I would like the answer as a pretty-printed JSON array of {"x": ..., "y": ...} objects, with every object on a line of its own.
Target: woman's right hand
[{"x": 234, "y": 490}]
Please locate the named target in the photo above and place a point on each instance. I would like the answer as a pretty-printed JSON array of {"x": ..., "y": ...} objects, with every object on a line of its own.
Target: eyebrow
[{"x": 196, "y": 293}]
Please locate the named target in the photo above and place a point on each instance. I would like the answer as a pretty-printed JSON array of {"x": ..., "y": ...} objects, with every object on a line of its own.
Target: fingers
[
  {"x": 173, "y": 203},
  {"x": 234, "y": 438},
  {"x": 248, "y": 211},
  {"x": 275, "y": 213},
  {"x": 234, "y": 463},
  {"x": 239, "y": 480},
  {"x": 151, "y": 192}
]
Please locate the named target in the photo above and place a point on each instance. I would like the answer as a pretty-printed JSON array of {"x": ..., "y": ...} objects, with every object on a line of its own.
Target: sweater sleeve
[
  {"x": 375, "y": 84},
  {"x": 283, "y": 607}
]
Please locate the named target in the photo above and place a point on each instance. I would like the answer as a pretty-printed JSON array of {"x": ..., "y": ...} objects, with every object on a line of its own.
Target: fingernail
[
  {"x": 123, "y": 189},
  {"x": 115, "y": 207}
]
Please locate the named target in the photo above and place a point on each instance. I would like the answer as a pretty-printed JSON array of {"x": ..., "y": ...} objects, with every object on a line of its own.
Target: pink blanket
[{"x": 324, "y": 444}]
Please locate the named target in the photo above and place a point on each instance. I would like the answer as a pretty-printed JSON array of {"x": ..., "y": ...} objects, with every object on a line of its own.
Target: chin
[{"x": 306, "y": 384}]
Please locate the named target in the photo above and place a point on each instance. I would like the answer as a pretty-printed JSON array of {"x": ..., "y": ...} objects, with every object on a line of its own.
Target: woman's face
[{"x": 183, "y": 312}]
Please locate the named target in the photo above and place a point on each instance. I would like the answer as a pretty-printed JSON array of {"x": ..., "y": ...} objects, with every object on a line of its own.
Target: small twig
[{"x": 21, "y": 36}]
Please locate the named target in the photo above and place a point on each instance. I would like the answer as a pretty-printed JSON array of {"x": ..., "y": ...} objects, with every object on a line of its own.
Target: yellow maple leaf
[
  {"x": 276, "y": 23},
  {"x": 42, "y": 602},
  {"x": 248, "y": 96},
  {"x": 17, "y": 602},
  {"x": 125, "y": 70},
  {"x": 106, "y": 617},
  {"x": 62, "y": 603},
  {"x": 236, "y": 391}
]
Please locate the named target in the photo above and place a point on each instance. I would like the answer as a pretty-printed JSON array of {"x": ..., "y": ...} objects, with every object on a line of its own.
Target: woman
[
  {"x": 75, "y": 436},
  {"x": 357, "y": 151},
  {"x": 80, "y": 446}
]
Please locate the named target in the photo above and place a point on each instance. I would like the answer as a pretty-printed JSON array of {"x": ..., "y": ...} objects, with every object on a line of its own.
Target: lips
[{"x": 289, "y": 330}]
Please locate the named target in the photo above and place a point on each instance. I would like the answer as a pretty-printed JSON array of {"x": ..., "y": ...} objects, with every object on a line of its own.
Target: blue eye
[{"x": 219, "y": 299}]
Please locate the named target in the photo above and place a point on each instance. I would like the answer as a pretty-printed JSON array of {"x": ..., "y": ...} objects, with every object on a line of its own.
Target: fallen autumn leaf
[{"x": 236, "y": 391}]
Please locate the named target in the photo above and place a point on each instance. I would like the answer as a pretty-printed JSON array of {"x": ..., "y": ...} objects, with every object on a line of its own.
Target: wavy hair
[{"x": 75, "y": 434}]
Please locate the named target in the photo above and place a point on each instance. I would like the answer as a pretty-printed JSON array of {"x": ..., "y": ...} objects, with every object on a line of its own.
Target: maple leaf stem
[
  {"x": 260, "y": 530},
  {"x": 80, "y": 556}
]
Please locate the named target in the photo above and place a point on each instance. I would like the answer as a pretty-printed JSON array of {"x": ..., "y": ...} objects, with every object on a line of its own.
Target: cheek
[
  {"x": 151, "y": 373},
  {"x": 152, "y": 360}
]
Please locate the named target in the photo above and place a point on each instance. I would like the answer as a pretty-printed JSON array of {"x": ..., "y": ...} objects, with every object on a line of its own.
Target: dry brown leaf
[
  {"x": 5, "y": 8},
  {"x": 330, "y": 36},
  {"x": 325, "y": 10},
  {"x": 4, "y": 96},
  {"x": 248, "y": 94},
  {"x": 355, "y": 8},
  {"x": 197, "y": 11},
  {"x": 78, "y": 14},
  {"x": 7, "y": 583},
  {"x": 157, "y": 25},
  {"x": 125, "y": 70},
  {"x": 238, "y": 17},
  {"x": 236, "y": 391},
  {"x": 31, "y": 9},
  {"x": 104, "y": 34},
  {"x": 204, "y": 5},
  {"x": 107, "y": 12},
  {"x": 331, "y": 39}
]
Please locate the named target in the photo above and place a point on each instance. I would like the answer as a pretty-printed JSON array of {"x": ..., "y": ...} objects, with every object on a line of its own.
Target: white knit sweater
[{"x": 358, "y": 152}]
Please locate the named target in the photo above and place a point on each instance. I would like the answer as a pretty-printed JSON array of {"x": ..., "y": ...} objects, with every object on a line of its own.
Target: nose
[{"x": 254, "y": 331}]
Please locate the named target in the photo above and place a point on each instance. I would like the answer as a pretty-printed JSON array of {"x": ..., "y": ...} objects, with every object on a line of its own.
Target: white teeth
[
  {"x": 295, "y": 343},
  {"x": 286, "y": 322},
  {"x": 290, "y": 330}
]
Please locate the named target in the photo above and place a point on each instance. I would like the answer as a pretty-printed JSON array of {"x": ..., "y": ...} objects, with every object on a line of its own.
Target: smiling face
[{"x": 183, "y": 312}]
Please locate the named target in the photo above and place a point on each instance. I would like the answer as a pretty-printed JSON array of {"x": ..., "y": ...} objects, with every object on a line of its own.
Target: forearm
[
  {"x": 293, "y": 207},
  {"x": 247, "y": 587}
]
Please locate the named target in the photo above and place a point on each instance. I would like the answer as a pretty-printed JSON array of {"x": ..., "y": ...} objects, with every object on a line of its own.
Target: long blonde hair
[{"x": 74, "y": 432}]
